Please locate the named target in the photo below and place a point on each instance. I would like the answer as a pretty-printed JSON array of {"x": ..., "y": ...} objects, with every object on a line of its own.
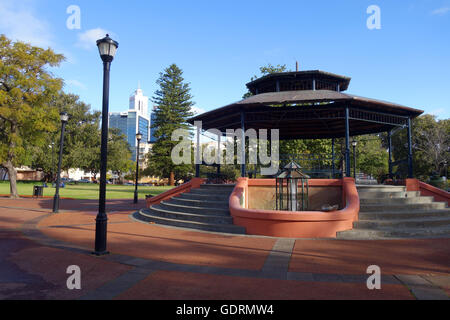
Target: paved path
[{"x": 148, "y": 261}]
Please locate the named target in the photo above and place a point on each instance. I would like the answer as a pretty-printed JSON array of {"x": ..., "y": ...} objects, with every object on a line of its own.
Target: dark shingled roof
[
  {"x": 308, "y": 114},
  {"x": 301, "y": 75}
]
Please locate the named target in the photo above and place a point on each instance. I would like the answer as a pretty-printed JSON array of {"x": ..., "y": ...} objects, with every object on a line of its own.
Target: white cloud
[
  {"x": 18, "y": 22},
  {"x": 88, "y": 39},
  {"x": 441, "y": 11},
  {"x": 75, "y": 83}
]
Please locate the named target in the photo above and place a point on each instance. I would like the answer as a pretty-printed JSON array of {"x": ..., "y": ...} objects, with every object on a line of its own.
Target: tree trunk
[
  {"x": 172, "y": 179},
  {"x": 12, "y": 173}
]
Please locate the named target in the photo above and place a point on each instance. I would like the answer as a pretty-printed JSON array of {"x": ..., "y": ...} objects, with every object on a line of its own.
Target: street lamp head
[
  {"x": 354, "y": 143},
  {"x": 64, "y": 117},
  {"x": 107, "y": 48},
  {"x": 138, "y": 136}
]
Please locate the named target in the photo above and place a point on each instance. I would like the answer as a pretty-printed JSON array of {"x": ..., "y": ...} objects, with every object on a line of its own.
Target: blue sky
[{"x": 220, "y": 45}]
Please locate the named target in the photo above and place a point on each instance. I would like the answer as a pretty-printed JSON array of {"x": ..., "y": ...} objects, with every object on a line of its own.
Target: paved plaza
[{"x": 149, "y": 261}]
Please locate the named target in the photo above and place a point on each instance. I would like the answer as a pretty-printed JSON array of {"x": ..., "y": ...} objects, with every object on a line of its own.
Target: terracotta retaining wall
[
  {"x": 428, "y": 190},
  {"x": 305, "y": 224}
]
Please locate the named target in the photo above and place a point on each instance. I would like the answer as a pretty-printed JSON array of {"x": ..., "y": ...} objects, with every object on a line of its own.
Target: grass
[{"x": 86, "y": 191}]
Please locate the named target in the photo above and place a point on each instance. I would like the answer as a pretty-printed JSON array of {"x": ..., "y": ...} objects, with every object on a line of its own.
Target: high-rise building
[{"x": 135, "y": 120}]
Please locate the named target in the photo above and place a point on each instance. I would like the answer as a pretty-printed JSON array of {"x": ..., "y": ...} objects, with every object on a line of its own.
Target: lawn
[{"x": 86, "y": 191}]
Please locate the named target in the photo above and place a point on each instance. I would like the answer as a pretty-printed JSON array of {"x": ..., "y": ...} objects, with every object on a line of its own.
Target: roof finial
[{"x": 296, "y": 66}]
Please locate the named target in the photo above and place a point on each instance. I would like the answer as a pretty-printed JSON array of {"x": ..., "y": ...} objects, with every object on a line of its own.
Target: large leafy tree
[
  {"x": 81, "y": 142},
  {"x": 431, "y": 145},
  {"x": 26, "y": 89},
  {"x": 80, "y": 138},
  {"x": 173, "y": 107},
  {"x": 119, "y": 153}
]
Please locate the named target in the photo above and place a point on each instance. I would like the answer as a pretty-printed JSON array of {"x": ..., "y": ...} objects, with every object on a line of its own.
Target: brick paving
[{"x": 148, "y": 261}]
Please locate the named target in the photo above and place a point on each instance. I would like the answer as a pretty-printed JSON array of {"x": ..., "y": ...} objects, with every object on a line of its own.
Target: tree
[
  {"x": 430, "y": 143},
  {"x": 371, "y": 156},
  {"x": 26, "y": 88},
  {"x": 173, "y": 108},
  {"x": 81, "y": 142},
  {"x": 265, "y": 70},
  {"x": 119, "y": 153},
  {"x": 80, "y": 138}
]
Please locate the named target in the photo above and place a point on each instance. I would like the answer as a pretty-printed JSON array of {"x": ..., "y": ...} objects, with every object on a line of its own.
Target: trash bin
[{"x": 38, "y": 191}]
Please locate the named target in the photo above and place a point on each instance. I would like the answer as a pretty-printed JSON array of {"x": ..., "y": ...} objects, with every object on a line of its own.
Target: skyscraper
[{"x": 135, "y": 120}]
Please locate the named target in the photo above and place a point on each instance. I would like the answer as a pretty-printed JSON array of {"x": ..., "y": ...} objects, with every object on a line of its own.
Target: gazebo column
[
  {"x": 332, "y": 157},
  {"x": 219, "y": 154},
  {"x": 197, "y": 154},
  {"x": 347, "y": 143},
  {"x": 389, "y": 136},
  {"x": 243, "y": 144},
  {"x": 410, "y": 156}
]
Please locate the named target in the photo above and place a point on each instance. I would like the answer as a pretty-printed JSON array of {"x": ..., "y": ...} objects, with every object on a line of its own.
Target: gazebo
[{"x": 311, "y": 105}]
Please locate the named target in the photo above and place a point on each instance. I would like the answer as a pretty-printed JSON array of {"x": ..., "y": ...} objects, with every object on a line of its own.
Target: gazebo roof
[
  {"x": 295, "y": 78},
  {"x": 307, "y": 105}
]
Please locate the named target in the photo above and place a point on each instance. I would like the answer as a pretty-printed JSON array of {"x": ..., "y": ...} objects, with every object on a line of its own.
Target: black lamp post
[
  {"x": 64, "y": 118},
  {"x": 354, "y": 144},
  {"x": 107, "y": 49},
  {"x": 138, "y": 138}
]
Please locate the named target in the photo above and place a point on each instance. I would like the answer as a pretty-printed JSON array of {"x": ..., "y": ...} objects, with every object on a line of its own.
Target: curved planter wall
[{"x": 305, "y": 224}]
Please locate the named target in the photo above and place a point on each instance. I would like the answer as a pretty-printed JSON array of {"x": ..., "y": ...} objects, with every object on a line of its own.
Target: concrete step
[
  {"x": 380, "y": 188},
  {"x": 205, "y": 218},
  {"x": 198, "y": 210},
  {"x": 418, "y": 222},
  {"x": 204, "y": 196},
  {"x": 399, "y": 201},
  {"x": 401, "y": 207},
  {"x": 384, "y": 195},
  {"x": 415, "y": 214},
  {"x": 224, "y": 187},
  {"x": 199, "y": 203},
  {"x": 399, "y": 233},
  {"x": 147, "y": 216},
  {"x": 211, "y": 191}
]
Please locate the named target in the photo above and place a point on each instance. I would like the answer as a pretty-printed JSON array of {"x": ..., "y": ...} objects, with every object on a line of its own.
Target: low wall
[
  {"x": 185, "y": 187},
  {"x": 300, "y": 224},
  {"x": 428, "y": 190},
  {"x": 261, "y": 194}
]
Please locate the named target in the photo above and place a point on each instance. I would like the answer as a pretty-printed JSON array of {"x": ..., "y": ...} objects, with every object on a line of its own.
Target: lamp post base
[
  {"x": 100, "y": 235},
  {"x": 56, "y": 204},
  {"x": 99, "y": 254}
]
